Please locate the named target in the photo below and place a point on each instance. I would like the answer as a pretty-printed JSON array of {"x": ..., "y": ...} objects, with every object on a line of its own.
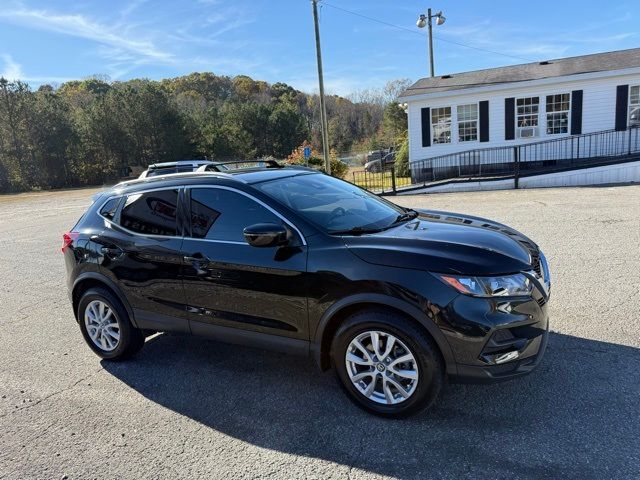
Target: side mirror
[{"x": 266, "y": 235}]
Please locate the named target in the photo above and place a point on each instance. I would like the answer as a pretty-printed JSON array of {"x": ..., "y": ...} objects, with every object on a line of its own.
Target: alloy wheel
[
  {"x": 382, "y": 367},
  {"x": 102, "y": 325}
]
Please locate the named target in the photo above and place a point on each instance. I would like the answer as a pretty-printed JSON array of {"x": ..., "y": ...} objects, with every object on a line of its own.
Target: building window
[
  {"x": 468, "y": 122},
  {"x": 527, "y": 110},
  {"x": 558, "y": 107},
  {"x": 441, "y": 124},
  {"x": 634, "y": 106}
]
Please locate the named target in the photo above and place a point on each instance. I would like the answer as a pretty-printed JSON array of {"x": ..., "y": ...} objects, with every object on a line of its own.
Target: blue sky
[{"x": 54, "y": 41}]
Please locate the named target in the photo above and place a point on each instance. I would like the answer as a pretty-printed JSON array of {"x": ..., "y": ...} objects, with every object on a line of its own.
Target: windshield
[{"x": 332, "y": 204}]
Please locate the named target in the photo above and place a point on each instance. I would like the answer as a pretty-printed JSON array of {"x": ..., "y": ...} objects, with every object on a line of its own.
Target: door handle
[
  {"x": 198, "y": 261},
  {"x": 196, "y": 258}
]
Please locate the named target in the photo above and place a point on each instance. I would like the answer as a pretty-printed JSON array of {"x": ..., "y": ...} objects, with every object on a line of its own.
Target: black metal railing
[
  {"x": 543, "y": 156},
  {"x": 380, "y": 182}
]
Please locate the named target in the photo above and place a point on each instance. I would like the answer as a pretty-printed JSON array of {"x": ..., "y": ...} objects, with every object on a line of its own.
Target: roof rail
[{"x": 172, "y": 175}]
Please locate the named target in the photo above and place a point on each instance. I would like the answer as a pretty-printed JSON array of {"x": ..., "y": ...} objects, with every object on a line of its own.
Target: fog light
[{"x": 506, "y": 357}]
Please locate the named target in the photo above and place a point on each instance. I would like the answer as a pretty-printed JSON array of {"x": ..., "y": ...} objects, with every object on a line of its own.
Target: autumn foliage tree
[{"x": 91, "y": 131}]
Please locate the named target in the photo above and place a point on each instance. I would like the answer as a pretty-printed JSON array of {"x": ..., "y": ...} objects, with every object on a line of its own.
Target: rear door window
[{"x": 151, "y": 213}]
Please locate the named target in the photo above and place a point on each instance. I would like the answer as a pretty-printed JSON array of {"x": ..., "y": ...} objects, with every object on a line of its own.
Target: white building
[{"x": 521, "y": 104}]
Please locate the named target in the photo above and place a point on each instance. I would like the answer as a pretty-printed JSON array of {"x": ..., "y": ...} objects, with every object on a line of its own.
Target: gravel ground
[{"x": 192, "y": 408}]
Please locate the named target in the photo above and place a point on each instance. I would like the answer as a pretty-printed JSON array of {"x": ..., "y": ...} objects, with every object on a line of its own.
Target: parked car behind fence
[{"x": 380, "y": 160}]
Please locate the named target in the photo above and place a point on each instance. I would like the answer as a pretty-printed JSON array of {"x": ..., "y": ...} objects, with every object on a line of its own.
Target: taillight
[{"x": 67, "y": 240}]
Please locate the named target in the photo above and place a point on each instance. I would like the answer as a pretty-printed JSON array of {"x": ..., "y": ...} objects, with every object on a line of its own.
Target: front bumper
[
  {"x": 505, "y": 371},
  {"x": 496, "y": 339}
]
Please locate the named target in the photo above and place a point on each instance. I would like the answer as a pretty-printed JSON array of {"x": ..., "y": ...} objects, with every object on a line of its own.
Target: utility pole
[{"x": 323, "y": 109}]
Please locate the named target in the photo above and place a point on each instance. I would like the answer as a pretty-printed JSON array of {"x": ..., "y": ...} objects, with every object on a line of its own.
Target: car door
[
  {"x": 229, "y": 283},
  {"x": 141, "y": 248}
]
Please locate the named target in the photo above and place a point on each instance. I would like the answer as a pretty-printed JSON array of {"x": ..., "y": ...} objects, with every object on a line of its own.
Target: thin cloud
[
  {"x": 11, "y": 70},
  {"x": 211, "y": 26},
  {"x": 464, "y": 31},
  {"x": 131, "y": 6},
  {"x": 505, "y": 39},
  {"x": 231, "y": 25},
  {"x": 518, "y": 41},
  {"x": 82, "y": 27},
  {"x": 124, "y": 51},
  {"x": 599, "y": 39}
]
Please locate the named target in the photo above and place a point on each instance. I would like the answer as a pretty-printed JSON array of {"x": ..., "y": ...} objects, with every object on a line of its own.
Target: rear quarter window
[
  {"x": 90, "y": 218},
  {"x": 109, "y": 209}
]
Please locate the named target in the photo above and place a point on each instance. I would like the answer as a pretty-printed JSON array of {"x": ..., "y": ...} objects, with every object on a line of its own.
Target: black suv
[{"x": 395, "y": 300}]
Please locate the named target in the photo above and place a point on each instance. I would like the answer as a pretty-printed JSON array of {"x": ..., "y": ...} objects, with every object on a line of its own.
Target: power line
[
  {"x": 399, "y": 27},
  {"x": 370, "y": 18}
]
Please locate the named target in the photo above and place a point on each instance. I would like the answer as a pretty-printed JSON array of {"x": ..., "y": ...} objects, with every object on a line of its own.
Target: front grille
[
  {"x": 535, "y": 261},
  {"x": 535, "y": 255},
  {"x": 541, "y": 301}
]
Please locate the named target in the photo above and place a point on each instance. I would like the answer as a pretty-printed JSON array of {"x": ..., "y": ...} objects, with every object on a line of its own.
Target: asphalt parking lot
[{"x": 192, "y": 408}]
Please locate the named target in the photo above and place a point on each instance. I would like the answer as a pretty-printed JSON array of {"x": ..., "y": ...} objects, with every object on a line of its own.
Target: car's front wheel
[
  {"x": 387, "y": 363},
  {"x": 106, "y": 327}
]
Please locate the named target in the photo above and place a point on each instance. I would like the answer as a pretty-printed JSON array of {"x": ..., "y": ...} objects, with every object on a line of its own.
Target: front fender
[{"x": 368, "y": 299}]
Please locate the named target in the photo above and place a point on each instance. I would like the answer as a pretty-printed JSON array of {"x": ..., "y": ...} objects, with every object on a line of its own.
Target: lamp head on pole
[{"x": 424, "y": 20}]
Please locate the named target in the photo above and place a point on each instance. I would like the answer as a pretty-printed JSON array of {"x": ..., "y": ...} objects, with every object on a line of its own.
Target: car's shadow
[{"x": 577, "y": 416}]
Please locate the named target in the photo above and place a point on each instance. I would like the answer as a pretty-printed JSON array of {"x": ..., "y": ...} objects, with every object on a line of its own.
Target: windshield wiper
[
  {"x": 409, "y": 214},
  {"x": 355, "y": 231}
]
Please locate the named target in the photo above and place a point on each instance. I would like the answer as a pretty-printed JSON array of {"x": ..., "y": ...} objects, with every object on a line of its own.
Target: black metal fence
[
  {"x": 387, "y": 181},
  {"x": 538, "y": 157},
  {"x": 546, "y": 156}
]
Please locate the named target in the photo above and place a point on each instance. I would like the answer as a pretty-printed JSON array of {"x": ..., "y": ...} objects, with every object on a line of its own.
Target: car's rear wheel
[
  {"x": 387, "y": 363},
  {"x": 106, "y": 327}
]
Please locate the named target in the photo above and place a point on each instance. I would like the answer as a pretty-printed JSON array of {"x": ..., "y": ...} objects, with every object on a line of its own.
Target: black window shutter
[
  {"x": 622, "y": 97},
  {"x": 484, "y": 121},
  {"x": 426, "y": 127},
  {"x": 509, "y": 118},
  {"x": 576, "y": 112}
]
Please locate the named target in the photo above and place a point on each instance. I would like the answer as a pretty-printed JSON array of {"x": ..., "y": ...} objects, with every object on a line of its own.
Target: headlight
[{"x": 505, "y": 286}]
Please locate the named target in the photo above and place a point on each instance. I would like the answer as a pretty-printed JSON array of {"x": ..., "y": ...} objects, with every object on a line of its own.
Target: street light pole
[
  {"x": 323, "y": 109},
  {"x": 426, "y": 21},
  {"x": 431, "y": 69}
]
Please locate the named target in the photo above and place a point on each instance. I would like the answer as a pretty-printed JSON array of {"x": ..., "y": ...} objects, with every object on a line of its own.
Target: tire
[
  {"x": 130, "y": 340},
  {"x": 426, "y": 365}
]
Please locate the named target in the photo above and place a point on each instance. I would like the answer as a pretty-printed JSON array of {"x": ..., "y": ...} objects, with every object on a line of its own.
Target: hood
[{"x": 448, "y": 243}]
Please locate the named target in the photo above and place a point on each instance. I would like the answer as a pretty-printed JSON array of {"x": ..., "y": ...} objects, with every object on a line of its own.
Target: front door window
[{"x": 222, "y": 215}]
